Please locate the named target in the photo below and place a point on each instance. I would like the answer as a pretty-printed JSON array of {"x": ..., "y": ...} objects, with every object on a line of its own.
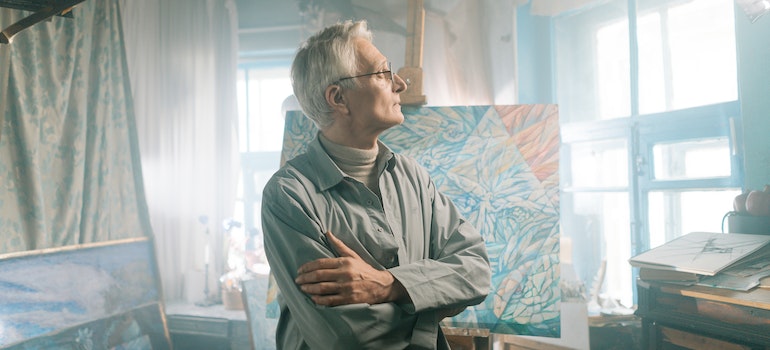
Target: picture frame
[{"x": 92, "y": 296}]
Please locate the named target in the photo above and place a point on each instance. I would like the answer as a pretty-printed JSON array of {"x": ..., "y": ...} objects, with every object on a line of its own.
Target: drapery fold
[
  {"x": 68, "y": 147},
  {"x": 182, "y": 57},
  {"x": 71, "y": 170}
]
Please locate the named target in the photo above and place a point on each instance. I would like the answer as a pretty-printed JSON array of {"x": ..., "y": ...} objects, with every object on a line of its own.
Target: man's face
[{"x": 375, "y": 104}]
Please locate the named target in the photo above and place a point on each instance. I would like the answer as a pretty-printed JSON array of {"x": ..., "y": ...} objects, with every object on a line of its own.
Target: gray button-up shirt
[{"x": 415, "y": 232}]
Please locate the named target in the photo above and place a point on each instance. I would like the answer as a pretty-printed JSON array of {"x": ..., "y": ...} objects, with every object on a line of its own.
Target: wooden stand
[
  {"x": 467, "y": 339},
  {"x": 412, "y": 70},
  {"x": 43, "y": 10},
  {"x": 699, "y": 317}
]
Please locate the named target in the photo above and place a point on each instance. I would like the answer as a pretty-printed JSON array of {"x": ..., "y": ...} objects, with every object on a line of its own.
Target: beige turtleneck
[{"x": 359, "y": 164}]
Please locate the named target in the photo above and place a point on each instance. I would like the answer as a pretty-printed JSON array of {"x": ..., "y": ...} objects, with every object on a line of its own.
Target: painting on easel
[{"x": 95, "y": 296}]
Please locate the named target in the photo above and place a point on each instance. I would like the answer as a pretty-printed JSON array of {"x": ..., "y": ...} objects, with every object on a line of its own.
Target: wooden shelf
[{"x": 697, "y": 317}]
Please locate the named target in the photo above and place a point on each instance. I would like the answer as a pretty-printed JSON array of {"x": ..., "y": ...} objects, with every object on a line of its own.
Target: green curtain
[{"x": 70, "y": 169}]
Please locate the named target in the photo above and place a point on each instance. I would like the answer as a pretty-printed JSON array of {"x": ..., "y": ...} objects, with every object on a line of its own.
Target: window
[
  {"x": 261, "y": 94},
  {"x": 648, "y": 100}
]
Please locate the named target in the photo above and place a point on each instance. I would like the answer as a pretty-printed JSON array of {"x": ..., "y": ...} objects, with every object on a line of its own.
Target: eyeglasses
[{"x": 388, "y": 73}]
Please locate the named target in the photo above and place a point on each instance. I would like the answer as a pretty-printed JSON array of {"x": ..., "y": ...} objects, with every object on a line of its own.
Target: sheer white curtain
[
  {"x": 470, "y": 53},
  {"x": 469, "y": 49},
  {"x": 182, "y": 60}
]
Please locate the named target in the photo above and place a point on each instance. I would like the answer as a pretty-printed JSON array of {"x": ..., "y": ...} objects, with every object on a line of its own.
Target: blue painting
[
  {"x": 261, "y": 329},
  {"x": 96, "y": 296},
  {"x": 500, "y": 166}
]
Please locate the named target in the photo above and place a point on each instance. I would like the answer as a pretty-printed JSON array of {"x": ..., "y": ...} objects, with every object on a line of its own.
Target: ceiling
[
  {"x": 267, "y": 13},
  {"x": 268, "y": 31}
]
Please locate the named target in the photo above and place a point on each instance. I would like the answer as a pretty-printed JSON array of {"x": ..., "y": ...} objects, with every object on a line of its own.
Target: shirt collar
[
  {"x": 385, "y": 160},
  {"x": 326, "y": 174}
]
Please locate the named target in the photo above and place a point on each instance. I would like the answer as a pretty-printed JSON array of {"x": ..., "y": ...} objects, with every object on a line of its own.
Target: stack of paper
[
  {"x": 743, "y": 275},
  {"x": 725, "y": 260}
]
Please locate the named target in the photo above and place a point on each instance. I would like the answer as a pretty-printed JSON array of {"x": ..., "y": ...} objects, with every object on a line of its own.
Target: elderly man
[{"x": 366, "y": 252}]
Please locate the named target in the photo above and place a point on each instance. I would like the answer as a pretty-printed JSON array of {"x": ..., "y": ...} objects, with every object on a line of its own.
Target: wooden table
[
  {"x": 697, "y": 317},
  {"x": 207, "y": 327},
  {"x": 467, "y": 339}
]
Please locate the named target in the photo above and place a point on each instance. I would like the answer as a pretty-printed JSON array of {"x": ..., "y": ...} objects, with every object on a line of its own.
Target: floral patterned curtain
[{"x": 69, "y": 158}]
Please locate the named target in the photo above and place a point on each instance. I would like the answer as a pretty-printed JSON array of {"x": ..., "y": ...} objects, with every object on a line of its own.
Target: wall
[
  {"x": 753, "y": 42},
  {"x": 533, "y": 45}
]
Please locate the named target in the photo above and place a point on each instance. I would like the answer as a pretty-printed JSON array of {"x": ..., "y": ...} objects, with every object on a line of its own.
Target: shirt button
[
  {"x": 369, "y": 202},
  {"x": 379, "y": 229}
]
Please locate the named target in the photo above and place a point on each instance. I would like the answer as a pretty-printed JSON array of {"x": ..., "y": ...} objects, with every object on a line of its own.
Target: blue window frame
[
  {"x": 647, "y": 91},
  {"x": 262, "y": 89}
]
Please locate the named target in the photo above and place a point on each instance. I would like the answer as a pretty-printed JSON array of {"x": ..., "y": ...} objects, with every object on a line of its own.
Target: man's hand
[{"x": 347, "y": 279}]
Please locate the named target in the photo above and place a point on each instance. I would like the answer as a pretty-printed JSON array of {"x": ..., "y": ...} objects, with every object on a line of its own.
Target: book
[
  {"x": 703, "y": 253},
  {"x": 650, "y": 274}
]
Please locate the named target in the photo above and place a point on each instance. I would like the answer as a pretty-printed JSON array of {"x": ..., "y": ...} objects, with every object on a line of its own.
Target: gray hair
[{"x": 321, "y": 61}]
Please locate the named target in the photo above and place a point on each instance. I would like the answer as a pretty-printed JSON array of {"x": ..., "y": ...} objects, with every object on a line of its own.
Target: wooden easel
[
  {"x": 412, "y": 70},
  {"x": 43, "y": 10}
]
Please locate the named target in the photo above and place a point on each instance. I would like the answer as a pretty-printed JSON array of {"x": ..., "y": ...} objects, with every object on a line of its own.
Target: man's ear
[{"x": 334, "y": 97}]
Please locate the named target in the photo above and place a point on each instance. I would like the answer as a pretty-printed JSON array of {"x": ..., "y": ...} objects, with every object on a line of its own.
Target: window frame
[
  {"x": 252, "y": 161},
  {"x": 642, "y": 132}
]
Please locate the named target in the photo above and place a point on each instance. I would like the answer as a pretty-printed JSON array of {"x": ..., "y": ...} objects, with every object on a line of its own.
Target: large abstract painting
[
  {"x": 500, "y": 166},
  {"x": 96, "y": 296}
]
